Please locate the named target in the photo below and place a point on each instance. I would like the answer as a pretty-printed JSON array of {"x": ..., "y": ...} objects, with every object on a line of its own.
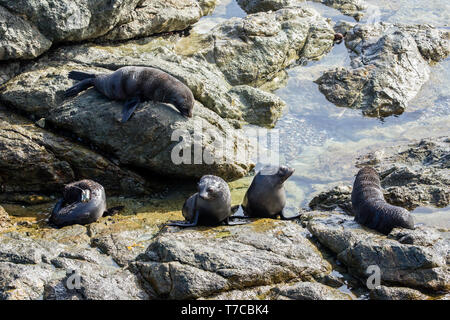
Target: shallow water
[{"x": 320, "y": 140}]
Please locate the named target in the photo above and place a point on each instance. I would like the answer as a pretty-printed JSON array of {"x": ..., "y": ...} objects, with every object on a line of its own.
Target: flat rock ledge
[
  {"x": 389, "y": 65},
  {"x": 417, "y": 259},
  {"x": 206, "y": 262},
  {"x": 412, "y": 175}
]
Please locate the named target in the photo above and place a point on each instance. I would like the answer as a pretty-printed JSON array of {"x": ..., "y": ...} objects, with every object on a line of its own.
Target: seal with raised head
[
  {"x": 83, "y": 202},
  {"x": 134, "y": 85},
  {"x": 210, "y": 206},
  {"x": 370, "y": 207},
  {"x": 266, "y": 196}
]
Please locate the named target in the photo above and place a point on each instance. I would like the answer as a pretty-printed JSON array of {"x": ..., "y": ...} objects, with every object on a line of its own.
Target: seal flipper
[
  {"x": 129, "y": 107},
  {"x": 188, "y": 224},
  {"x": 80, "y": 86}
]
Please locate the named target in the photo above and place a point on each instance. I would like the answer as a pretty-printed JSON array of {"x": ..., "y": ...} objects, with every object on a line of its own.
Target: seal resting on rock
[
  {"x": 134, "y": 85},
  {"x": 210, "y": 206},
  {"x": 266, "y": 196},
  {"x": 370, "y": 208},
  {"x": 83, "y": 202}
]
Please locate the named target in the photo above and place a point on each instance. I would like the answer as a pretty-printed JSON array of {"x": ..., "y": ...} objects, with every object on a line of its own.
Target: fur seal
[
  {"x": 210, "y": 206},
  {"x": 83, "y": 202},
  {"x": 266, "y": 196},
  {"x": 370, "y": 208},
  {"x": 134, "y": 85}
]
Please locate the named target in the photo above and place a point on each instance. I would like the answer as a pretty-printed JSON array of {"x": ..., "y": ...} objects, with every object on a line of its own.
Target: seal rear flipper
[
  {"x": 129, "y": 107},
  {"x": 186, "y": 224},
  {"x": 81, "y": 86},
  {"x": 80, "y": 75}
]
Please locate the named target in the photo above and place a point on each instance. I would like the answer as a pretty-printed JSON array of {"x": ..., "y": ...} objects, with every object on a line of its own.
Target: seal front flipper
[
  {"x": 129, "y": 107},
  {"x": 188, "y": 224}
]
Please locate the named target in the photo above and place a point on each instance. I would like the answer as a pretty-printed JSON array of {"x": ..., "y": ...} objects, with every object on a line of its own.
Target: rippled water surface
[{"x": 320, "y": 140}]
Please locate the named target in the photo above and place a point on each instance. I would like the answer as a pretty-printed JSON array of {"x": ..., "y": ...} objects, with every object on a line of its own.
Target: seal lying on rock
[
  {"x": 83, "y": 202},
  {"x": 134, "y": 85},
  {"x": 266, "y": 197},
  {"x": 370, "y": 208},
  {"x": 210, "y": 206}
]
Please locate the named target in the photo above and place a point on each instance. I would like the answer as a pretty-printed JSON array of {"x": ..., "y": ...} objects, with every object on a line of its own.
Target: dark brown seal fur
[
  {"x": 134, "y": 85},
  {"x": 77, "y": 206},
  {"x": 370, "y": 207}
]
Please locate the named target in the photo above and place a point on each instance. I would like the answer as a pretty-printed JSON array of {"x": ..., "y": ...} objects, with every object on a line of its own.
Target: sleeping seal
[
  {"x": 210, "y": 206},
  {"x": 266, "y": 197},
  {"x": 83, "y": 202},
  {"x": 370, "y": 208},
  {"x": 134, "y": 85}
]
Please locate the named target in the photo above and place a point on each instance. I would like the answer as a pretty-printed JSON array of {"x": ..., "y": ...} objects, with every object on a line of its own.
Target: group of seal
[
  {"x": 84, "y": 201},
  {"x": 211, "y": 205},
  {"x": 134, "y": 85}
]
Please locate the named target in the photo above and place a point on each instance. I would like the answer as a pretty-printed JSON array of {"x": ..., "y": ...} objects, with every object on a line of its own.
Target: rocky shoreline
[{"x": 47, "y": 141}]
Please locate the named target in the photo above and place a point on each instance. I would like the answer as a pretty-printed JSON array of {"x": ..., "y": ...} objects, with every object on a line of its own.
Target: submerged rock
[
  {"x": 194, "y": 263},
  {"x": 389, "y": 66},
  {"x": 412, "y": 175},
  {"x": 353, "y": 8},
  {"x": 424, "y": 267}
]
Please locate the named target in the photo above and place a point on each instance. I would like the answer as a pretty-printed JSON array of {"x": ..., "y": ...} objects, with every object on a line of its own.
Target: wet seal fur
[
  {"x": 135, "y": 85},
  {"x": 266, "y": 196},
  {"x": 83, "y": 202},
  {"x": 370, "y": 207},
  {"x": 210, "y": 206}
]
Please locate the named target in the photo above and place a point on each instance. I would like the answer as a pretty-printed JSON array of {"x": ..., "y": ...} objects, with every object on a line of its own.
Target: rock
[
  {"x": 415, "y": 174},
  {"x": 19, "y": 39},
  {"x": 256, "y": 48},
  {"x": 353, "y": 8},
  {"x": 389, "y": 66},
  {"x": 5, "y": 221},
  {"x": 45, "y": 269},
  {"x": 54, "y": 21},
  {"x": 254, "y": 6},
  {"x": 337, "y": 197},
  {"x": 396, "y": 293},
  {"x": 157, "y": 16},
  {"x": 194, "y": 263},
  {"x": 408, "y": 265},
  {"x": 34, "y": 160},
  {"x": 308, "y": 291},
  {"x": 412, "y": 175},
  {"x": 291, "y": 291}
]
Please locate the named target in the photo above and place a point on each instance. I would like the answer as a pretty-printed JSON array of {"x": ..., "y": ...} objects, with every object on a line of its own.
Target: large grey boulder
[
  {"x": 253, "y": 6},
  {"x": 34, "y": 160},
  {"x": 51, "y": 21},
  {"x": 94, "y": 119},
  {"x": 422, "y": 265},
  {"x": 201, "y": 262},
  {"x": 19, "y": 39},
  {"x": 389, "y": 65}
]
